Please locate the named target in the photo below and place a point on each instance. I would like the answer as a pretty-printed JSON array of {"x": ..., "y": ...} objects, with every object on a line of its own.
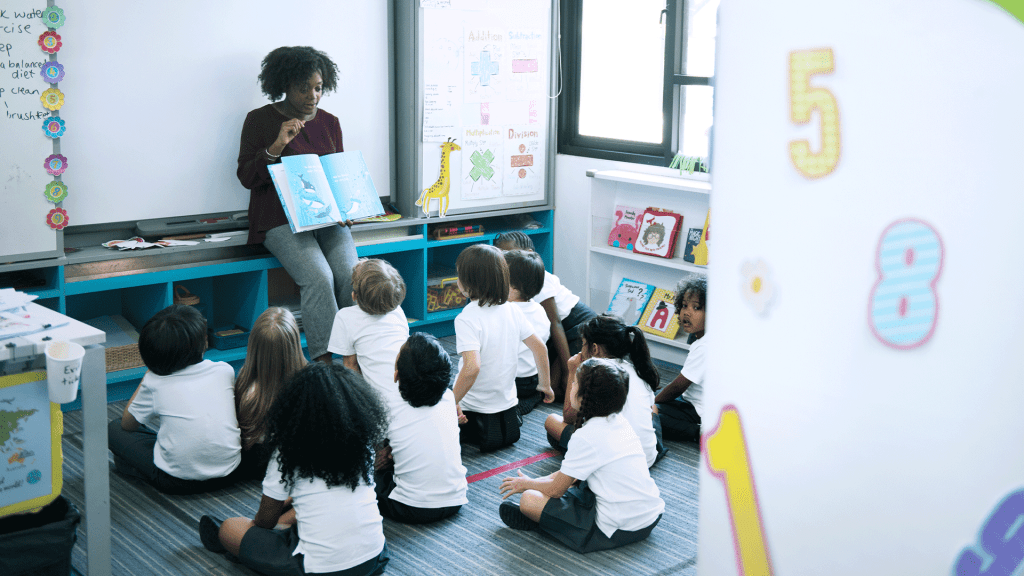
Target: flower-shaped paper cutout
[
  {"x": 52, "y": 72},
  {"x": 53, "y": 17},
  {"x": 49, "y": 41},
  {"x": 52, "y": 99},
  {"x": 757, "y": 287},
  {"x": 57, "y": 219},
  {"x": 53, "y": 127},
  {"x": 56, "y": 164},
  {"x": 56, "y": 191}
]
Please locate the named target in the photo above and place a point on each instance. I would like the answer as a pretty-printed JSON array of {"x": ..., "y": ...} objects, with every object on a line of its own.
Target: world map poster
[{"x": 26, "y": 443}]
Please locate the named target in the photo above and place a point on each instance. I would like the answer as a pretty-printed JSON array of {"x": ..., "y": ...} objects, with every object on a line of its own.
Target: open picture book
[{"x": 318, "y": 191}]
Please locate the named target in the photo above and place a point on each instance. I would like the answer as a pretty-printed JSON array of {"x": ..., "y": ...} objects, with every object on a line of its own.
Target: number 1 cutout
[
  {"x": 803, "y": 98},
  {"x": 726, "y": 452}
]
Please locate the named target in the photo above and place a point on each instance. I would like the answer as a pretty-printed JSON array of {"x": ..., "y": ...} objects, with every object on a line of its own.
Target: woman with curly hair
[
  {"x": 320, "y": 261},
  {"x": 319, "y": 509},
  {"x": 616, "y": 502}
]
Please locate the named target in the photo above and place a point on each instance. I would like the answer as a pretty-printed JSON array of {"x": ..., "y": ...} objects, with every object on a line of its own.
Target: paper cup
[{"x": 63, "y": 370}]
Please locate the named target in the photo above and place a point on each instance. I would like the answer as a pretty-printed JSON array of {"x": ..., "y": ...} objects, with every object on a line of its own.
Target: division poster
[{"x": 524, "y": 160}]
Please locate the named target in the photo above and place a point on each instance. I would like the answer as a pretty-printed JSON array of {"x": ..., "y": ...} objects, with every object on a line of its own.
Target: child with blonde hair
[
  {"x": 488, "y": 332},
  {"x": 370, "y": 334},
  {"x": 273, "y": 355}
]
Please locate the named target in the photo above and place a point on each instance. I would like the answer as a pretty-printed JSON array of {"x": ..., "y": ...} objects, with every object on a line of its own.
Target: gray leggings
[{"x": 320, "y": 261}]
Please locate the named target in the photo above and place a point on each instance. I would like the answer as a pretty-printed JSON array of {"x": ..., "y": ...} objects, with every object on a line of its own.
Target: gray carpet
[{"x": 154, "y": 534}]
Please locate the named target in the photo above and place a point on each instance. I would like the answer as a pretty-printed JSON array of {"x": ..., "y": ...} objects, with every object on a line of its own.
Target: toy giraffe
[{"x": 440, "y": 188}]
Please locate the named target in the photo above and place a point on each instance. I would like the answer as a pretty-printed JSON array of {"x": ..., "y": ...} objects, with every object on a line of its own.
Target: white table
[{"x": 28, "y": 351}]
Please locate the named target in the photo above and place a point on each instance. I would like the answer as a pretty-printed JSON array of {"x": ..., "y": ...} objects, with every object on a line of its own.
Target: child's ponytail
[{"x": 640, "y": 356}]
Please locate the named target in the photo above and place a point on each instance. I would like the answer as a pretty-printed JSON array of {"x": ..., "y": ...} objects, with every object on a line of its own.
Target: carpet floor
[{"x": 153, "y": 534}]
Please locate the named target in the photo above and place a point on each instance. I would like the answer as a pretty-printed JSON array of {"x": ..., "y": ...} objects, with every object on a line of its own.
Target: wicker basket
[
  {"x": 183, "y": 296},
  {"x": 123, "y": 358}
]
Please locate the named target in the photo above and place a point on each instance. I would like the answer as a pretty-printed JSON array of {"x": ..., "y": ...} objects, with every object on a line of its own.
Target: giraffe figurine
[{"x": 440, "y": 188}]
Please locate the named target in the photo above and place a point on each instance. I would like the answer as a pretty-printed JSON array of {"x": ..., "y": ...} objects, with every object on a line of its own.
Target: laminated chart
[
  {"x": 524, "y": 160},
  {"x": 481, "y": 162}
]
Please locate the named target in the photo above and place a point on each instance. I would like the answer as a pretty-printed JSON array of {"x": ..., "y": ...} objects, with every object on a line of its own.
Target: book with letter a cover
[{"x": 318, "y": 191}]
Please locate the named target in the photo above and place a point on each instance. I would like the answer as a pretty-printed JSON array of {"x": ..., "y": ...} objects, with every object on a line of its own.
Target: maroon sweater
[{"x": 321, "y": 135}]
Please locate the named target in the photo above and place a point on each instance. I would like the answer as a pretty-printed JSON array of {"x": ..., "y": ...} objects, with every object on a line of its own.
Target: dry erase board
[
  {"x": 864, "y": 384},
  {"x": 157, "y": 93}
]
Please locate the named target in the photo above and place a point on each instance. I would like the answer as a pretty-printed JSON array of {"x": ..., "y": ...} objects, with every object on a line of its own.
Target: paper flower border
[
  {"x": 53, "y": 126},
  {"x": 56, "y": 191},
  {"x": 55, "y": 164},
  {"x": 49, "y": 42},
  {"x": 52, "y": 99},
  {"x": 52, "y": 72},
  {"x": 53, "y": 17},
  {"x": 757, "y": 287},
  {"x": 57, "y": 219}
]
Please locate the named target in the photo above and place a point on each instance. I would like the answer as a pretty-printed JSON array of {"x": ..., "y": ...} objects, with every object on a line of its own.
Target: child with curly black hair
[
  {"x": 607, "y": 336},
  {"x": 319, "y": 483},
  {"x": 677, "y": 404},
  {"x": 428, "y": 480},
  {"x": 616, "y": 502},
  {"x": 488, "y": 332}
]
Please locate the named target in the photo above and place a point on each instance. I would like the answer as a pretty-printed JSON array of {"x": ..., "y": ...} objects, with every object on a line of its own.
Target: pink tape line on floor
[{"x": 512, "y": 466}]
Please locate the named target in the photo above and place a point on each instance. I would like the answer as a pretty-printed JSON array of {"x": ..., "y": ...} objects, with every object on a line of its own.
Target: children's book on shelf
[
  {"x": 625, "y": 227},
  {"x": 660, "y": 317},
  {"x": 319, "y": 191},
  {"x": 692, "y": 240},
  {"x": 659, "y": 230},
  {"x": 629, "y": 300},
  {"x": 700, "y": 251}
]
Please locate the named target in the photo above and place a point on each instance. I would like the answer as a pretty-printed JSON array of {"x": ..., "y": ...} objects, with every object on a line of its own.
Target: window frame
[{"x": 571, "y": 142}]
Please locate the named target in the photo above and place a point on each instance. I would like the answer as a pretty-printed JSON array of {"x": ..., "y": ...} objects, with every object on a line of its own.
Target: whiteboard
[
  {"x": 24, "y": 147},
  {"x": 486, "y": 70},
  {"x": 157, "y": 93}
]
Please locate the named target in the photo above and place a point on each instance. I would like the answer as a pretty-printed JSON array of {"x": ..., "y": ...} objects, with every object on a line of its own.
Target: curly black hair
[
  {"x": 424, "y": 370},
  {"x": 289, "y": 65},
  {"x": 602, "y": 387},
  {"x": 695, "y": 284},
  {"x": 326, "y": 424},
  {"x": 620, "y": 341}
]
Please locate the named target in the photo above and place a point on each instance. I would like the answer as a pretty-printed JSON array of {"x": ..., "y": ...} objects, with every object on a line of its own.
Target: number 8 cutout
[{"x": 904, "y": 307}]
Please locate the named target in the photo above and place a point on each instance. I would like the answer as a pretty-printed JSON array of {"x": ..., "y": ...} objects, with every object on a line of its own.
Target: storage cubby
[
  {"x": 42, "y": 282},
  {"x": 137, "y": 304},
  {"x": 230, "y": 300},
  {"x": 409, "y": 264}
]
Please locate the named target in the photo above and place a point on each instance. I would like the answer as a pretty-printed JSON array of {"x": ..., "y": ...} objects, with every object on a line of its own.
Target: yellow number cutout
[
  {"x": 727, "y": 459},
  {"x": 802, "y": 100}
]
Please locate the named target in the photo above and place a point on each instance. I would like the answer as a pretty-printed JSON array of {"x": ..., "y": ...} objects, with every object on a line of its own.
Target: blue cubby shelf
[{"x": 235, "y": 291}]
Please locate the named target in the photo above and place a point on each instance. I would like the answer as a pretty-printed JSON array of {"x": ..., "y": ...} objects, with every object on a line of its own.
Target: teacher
[{"x": 320, "y": 261}]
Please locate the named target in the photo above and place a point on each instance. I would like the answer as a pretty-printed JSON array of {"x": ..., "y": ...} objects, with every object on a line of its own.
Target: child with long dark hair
[
  {"x": 487, "y": 335},
  {"x": 323, "y": 429},
  {"x": 273, "y": 355},
  {"x": 616, "y": 502},
  {"x": 428, "y": 480},
  {"x": 607, "y": 336}
]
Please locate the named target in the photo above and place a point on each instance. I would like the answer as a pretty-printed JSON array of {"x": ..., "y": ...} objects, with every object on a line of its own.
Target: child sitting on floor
[
  {"x": 607, "y": 336},
  {"x": 273, "y": 355},
  {"x": 565, "y": 313},
  {"x": 428, "y": 480},
  {"x": 370, "y": 334},
  {"x": 179, "y": 431},
  {"x": 525, "y": 278},
  {"x": 677, "y": 404},
  {"x": 318, "y": 487},
  {"x": 616, "y": 502},
  {"x": 487, "y": 335}
]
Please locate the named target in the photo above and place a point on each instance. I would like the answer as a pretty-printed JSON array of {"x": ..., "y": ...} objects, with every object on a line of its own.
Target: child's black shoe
[
  {"x": 209, "y": 534},
  {"x": 514, "y": 518}
]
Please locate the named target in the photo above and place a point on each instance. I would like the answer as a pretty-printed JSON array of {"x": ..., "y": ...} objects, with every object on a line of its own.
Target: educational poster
[
  {"x": 524, "y": 161},
  {"x": 862, "y": 413},
  {"x": 25, "y": 147},
  {"x": 26, "y": 442},
  {"x": 486, "y": 76},
  {"x": 481, "y": 162},
  {"x": 486, "y": 72}
]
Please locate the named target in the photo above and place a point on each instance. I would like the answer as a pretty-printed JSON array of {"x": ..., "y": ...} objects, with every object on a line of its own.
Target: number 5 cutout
[{"x": 802, "y": 100}]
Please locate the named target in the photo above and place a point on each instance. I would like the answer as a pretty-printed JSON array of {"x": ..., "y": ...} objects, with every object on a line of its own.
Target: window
[{"x": 637, "y": 79}]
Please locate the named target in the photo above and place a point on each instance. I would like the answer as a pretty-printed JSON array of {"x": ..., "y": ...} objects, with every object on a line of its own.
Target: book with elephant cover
[{"x": 318, "y": 191}]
